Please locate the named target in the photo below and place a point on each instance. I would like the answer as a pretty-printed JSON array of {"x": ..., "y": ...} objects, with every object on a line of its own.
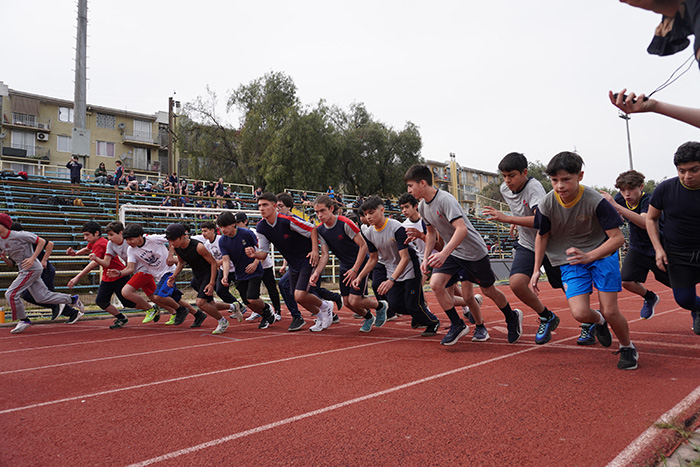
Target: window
[
  {"x": 23, "y": 119},
  {"x": 65, "y": 114},
  {"x": 24, "y": 140},
  {"x": 141, "y": 159},
  {"x": 63, "y": 143},
  {"x": 106, "y": 121},
  {"x": 105, "y": 149},
  {"x": 142, "y": 128},
  {"x": 485, "y": 179}
]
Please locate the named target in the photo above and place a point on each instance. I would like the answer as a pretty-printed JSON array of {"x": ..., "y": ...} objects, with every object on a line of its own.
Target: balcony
[
  {"x": 138, "y": 138},
  {"x": 24, "y": 121},
  {"x": 20, "y": 151}
]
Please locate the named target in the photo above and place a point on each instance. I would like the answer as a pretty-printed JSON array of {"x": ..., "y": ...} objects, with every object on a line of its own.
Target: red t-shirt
[{"x": 99, "y": 247}]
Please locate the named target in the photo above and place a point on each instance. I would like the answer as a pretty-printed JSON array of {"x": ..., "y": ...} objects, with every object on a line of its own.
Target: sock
[
  {"x": 546, "y": 314},
  {"x": 368, "y": 315},
  {"x": 508, "y": 312},
  {"x": 454, "y": 317},
  {"x": 26, "y": 320},
  {"x": 601, "y": 320},
  {"x": 120, "y": 316},
  {"x": 222, "y": 320},
  {"x": 649, "y": 296},
  {"x": 631, "y": 346}
]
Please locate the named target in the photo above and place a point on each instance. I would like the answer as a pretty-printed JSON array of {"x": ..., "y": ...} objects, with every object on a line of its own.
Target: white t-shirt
[{"x": 151, "y": 257}]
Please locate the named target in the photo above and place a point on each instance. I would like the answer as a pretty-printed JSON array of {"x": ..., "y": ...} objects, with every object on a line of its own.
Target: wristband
[{"x": 392, "y": 279}]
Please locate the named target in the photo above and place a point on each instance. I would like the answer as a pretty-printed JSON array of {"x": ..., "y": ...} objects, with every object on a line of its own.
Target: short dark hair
[
  {"x": 225, "y": 219},
  {"x": 16, "y": 226},
  {"x": 513, "y": 161},
  {"x": 187, "y": 226},
  {"x": 286, "y": 199},
  {"x": 372, "y": 203},
  {"x": 408, "y": 198},
  {"x": 566, "y": 161},
  {"x": 133, "y": 231},
  {"x": 687, "y": 152},
  {"x": 92, "y": 227},
  {"x": 418, "y": 172},
  {"x": 268, "y": 197},
  {"x": 629, "y": 179},
  {"x": 208, "y": 225},
  {"x": 325, "y": 200},
  {"x": 115, "y": 226}
]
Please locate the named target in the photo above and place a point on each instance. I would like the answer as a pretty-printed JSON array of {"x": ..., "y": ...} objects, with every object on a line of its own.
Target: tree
[
  {"x": 537, "y": 170},
  {"x": 492, "y": 191}
]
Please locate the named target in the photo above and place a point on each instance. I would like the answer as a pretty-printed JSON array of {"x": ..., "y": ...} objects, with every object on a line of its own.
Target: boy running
[
  {"x": 523, "y": 194},
  {"x": 580, "y": 232},
  {"x": 464, "y": 252}
]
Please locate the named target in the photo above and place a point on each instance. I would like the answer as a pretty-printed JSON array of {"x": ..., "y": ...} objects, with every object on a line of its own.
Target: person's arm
[
  {"x": 652, "y": 219},
  {"x": 71, "y": 252},
  {"x": 493, "y": 214},
  {"x": 117, "y": 273},
  {"x": 371, "y": 263},
  {"x": 438, "y": 259},
  {"x": 48, "y": 249},
  {"x": 615, "y": 240},
  {"x": 226, "y": 259},
  {"x": 27, "y": 262},
  {"x": 313, "y": 254},
  {"x": 178, "y": 269},
  {"x": 541, "y": 241},
  {"x": 5, "y": 259},
  {"x": 637, "y": 219},
  {"x": 323, "y": 260},
  {"x": 104, "y": 262},
  {"x": 91, "y": 265},
  {"x": 352, "y": 273},
  {"x": 430, "y": 240},
  {"x": 636, "y": 104}
]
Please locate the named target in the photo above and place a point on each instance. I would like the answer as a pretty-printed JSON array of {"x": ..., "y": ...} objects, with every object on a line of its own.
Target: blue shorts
[
  {"x": 162, "y": 289},
  {"x": 604, "y": 273}
]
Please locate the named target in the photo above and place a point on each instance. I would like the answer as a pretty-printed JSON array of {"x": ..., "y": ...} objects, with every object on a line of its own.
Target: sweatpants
[{"x": 30, "y": 279}]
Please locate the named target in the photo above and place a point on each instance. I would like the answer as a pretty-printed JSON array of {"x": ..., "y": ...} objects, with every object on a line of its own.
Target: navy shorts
[
  {"x": 476, "y": 272},
  {"x": 299, "y": 278},
  {"x": 637, "y": 265},
  {"x": 524, "y": 263},
  {"x": 346, "y": 290},
  {"x": 683, "y": 268},
  {"x": 199, "y": 283}
]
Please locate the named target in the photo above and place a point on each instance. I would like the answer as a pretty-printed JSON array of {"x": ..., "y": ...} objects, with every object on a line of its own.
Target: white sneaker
[
  {"x": 326, "y": 314},
  {"x": 278, "y": 317},
  {"x": 21, "y": 326},
  {"x": 316, "y": 327},
  {"x": 253, "y": 317},
  {"x": 235, "y": 310},
  {"x": 221, "y": 328},
  {"x": 479, "y": 299}
]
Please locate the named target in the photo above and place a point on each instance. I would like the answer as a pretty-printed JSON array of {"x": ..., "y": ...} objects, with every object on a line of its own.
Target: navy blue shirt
[
  {"x": 291, "y": 237},
  {"x": 235, "y": 247},
  {"x": 681, "y": 209},
  {"x": 639, "y": 238},
  {"x": 341, "y": 240}
]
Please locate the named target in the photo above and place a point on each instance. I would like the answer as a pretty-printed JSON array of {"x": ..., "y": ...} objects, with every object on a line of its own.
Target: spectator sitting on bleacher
[
  {"x": 305, "y": 199},
  {"x": 183, "y": 187},
  {"x": 166, "y": 202},
  {"x": 197, "y": 188},
  {"x": 219, "y": 189},
  {"x": 209, "y": 189},
  {"x": 132, "y": 184},
  {"x": 101, "y": 174},
  {"x": 146, "y": 185},
  {"x": 171, "y": 184}
]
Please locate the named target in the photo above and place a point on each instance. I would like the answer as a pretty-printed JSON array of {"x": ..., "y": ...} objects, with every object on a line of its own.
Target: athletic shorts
[
  {"x": 249, "y": 288},
  {"x": 299, "y": 278},
  {"x": 143, "y": 281},
  {"x": 346, "y": 290},
  {"x": 637, "y": 265},
  {"x": 476, "y": 272},
  {"x": 604, "y": 273},
  {"x": 524, "y": 263},
  {"x": 199, "y": 283},
  {"x": 683, "y": 269},
  {"x": 163, "y": 290}
]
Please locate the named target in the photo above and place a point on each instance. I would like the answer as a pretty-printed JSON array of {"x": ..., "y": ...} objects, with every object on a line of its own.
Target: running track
[{"x": 158, "y": 395}]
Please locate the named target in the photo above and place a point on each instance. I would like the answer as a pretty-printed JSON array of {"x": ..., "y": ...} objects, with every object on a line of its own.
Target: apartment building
[{"x": 463, "y": 182}]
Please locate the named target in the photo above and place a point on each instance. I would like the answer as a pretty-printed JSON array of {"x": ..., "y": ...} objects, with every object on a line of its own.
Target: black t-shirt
[
  {"x": 639, "y": 239},
  {"x": 681, "y": 209},
  {"x": 200, "y": 266}
]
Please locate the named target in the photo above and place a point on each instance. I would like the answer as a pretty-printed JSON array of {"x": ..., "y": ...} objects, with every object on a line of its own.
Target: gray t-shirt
[
  {"x": 440, "y": 212},
  {"x": 388, "y": 241},
  {"x": 18, "y": 245},
  {"x": 522, "y": 204},
  {"x": 581, "y": 223}
]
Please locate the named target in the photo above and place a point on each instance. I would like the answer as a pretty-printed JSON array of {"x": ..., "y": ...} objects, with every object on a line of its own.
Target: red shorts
[{"x": 143, "y": 281}]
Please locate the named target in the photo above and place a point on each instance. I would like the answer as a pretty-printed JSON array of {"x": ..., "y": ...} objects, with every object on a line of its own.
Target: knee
[
  {"x": 685, "y": 298},
  {"x": 200, "y": 302},
  {"x": 102, "y": 303}
]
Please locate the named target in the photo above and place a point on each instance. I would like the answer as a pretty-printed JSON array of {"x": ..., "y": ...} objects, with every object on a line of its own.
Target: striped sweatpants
[{"x": 30, "y": 279}]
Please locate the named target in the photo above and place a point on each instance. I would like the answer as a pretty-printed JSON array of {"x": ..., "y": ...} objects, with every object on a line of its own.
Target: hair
[
  {"x": 353, "y": 217},
  {"x": 92, "y": 227},
  {"x": 132, "y": 231},
  {"x": 360, "y": 212},
  {"x": 372, "y": 203},
  {"x": 286, "y": 199},
  {"x": 325, "y": 200},
  {"x": 268, "y": 197},
  {"x": 629, "y": 179},
  {"x": 687, "y": 152},
  {"x": 116, "y": 227},
  {"x": 16, "y": 226},
  {"x": 408, "y": 198},
  {"x": 208, "y": 225},
  {"x": 566, "y": 161},
  {"x": 225, "y": 219},
  {"x": 513, "y": 161},
  {"x": 188, "y": 227},
  {"x": 118, "y": 162},
  {"x": 418, "y": 172}
]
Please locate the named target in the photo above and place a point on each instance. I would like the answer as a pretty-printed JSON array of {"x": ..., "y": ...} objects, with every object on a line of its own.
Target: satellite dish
[
  {"x": 122, "y": 125},
  {"x": 2, "y": 135}
]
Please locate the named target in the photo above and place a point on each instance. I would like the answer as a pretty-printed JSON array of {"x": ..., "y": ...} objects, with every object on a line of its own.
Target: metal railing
[
  {"x": 31, "y": 121},
  {"x": 27, "y": 151}
]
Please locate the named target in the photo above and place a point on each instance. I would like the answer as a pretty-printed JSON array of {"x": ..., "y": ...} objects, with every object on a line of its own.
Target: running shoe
[
  {"x": 336, "y": 318},
  {"x": 367, "y": 325},
  {"x": 253, "y": 317},
  {"x": 221, "y": 327},
  {"x": 454, "y": 333},
  {"x": 75, "y": 316},
  {"x": 150, "y": 315},
  {"x": 381, "y": 314},
  {"x": 338, "y": 299},
  {"x": 480, "y": 334},
  {"x": 278, "y": 317},
  {"x": 515, "y": 327},
  {"x": 78, "y": 304},
  {"x": 199, "y": 318},
  {"x": 587, "y": 336},
  {"x": 296, "y": 324},
  {"x": 21, "y": 326},
  {"x": 647, "y": 311},
  {"x": 235, "y": 310},
  {"x": 467, "y": 313},
  {"x": 602, "y": 332},
  {"x": 119, "y": 323},
  {"x": 326, "y": 314},
  {"x": 431, "y": 329},
  {"x": 268, "y": 318},
  {"x": 156, "y": 318},
  {"x": 356, "y": 316},
  {"x": 180, "y": 315},
  {"x": 628, "y": 358},
  {"x": 172, "y": 319},
  {"x": 544, "y": 332}
]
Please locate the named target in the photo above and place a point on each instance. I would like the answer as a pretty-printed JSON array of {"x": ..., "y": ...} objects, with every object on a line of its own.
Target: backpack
[
  {"x": 34, "y": 199},
  {"x": 52, "y": 201},
  {"x": 78, "y": 202}
]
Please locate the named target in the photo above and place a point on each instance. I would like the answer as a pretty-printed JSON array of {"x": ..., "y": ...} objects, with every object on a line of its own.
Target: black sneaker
[
  {"x": 696, "y": 321},
  {"x": 156, "y": 318},
  {"x": 454, "y": 333},
  {"x": 119, "y": 323},
  {"x": 431, "y": 329},
  {"x": 336, "y": 318},
  {"x": 628, "y": 358},
  {"x": 180, "y": 315},
  {"x": 544, "y": 331},
  {"x": 602, "y": 332},
  {"x": 515, "y": 327},
  {"x": 297, "y": 324},
  {"x": 338, "y": 299},
  {"x": 199, "y": 318},
  {"x": 268, "y": 317}
]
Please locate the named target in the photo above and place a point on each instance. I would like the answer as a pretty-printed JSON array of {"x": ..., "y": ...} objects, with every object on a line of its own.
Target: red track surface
[{"x": 88, "y": 395}]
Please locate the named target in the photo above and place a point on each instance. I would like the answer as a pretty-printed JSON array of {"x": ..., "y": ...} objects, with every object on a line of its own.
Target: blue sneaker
[
  {"x": 515, "y": 327},
  {"x": 602, "y": 332},
  {"x": 381, "y": 314},
  {"x": 367, "y": 325},
  {"x": 454, "y": 333},
  {"x": 480, "y": 334},
  {"x": 544, "y": 332},
  {"x": 647, "y": 311},
  {"x": 587, "y": 336}
]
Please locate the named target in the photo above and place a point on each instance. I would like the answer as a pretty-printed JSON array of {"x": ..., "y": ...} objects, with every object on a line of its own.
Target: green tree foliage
[
  {"x": 537, "y": 170},
  {"x": 492, "y": 191}
]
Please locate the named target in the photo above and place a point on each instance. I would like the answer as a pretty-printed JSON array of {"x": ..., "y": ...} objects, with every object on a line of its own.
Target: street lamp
[{"x": 626, "y": 118}]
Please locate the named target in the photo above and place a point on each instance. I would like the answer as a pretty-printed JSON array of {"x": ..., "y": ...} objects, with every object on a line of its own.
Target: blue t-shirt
[
  {"x": 340, "y": 238},
  {"x": 235, "y": 247},
  {"x": 290, "y": 235},
  {"x": 681, "y": 209}
]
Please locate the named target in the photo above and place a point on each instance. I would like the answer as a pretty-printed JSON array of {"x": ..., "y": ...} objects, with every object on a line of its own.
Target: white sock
[{"x": 601, "y": 320}]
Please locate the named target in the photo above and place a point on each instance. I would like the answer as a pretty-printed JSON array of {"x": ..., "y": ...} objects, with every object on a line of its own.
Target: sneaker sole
[
  {"x": 73, "y": 321},
  {"x": 520, "y": 328},
  {"x": 462, "y": 333},
  {"x": 475, "y": 339},
  {"x": 298, "y": 328}
]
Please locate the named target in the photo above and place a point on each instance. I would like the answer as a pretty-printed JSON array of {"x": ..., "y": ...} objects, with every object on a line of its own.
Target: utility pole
[
  {"x": 626, "y": 118},
  {"x": 171, "y": 155},
  {"x": 80, "y": 138}
]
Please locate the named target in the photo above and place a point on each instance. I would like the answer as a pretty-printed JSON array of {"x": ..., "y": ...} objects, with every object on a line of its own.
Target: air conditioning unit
[{"x": 42, "y": 136}]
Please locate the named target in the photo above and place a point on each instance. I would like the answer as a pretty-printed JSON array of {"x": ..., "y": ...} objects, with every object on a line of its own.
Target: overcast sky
[{"x": 480, "y": 79}]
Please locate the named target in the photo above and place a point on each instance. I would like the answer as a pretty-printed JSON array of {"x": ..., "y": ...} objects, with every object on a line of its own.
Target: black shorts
[
  {"x": 524, "y": 263},
  {"x": 249, "y": 288},
  {"x": 346, "y": 290},
  {"x": 476, "y": 272},
  {"x": 199, "y": 283},
  {"x": 75, "y": 180},
  {"x": 299, "y": 278},
  {"x": 637, "y": 265},
  {"x": 107, "y": 289},
  {"x": 683, "y": 269}
]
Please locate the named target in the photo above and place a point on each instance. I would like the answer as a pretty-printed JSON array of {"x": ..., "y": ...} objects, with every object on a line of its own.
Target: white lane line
[
  {"x": 649, "y": 435},
  {"x": 313, "y": 413},
  {"x": 199, "y": 375}
]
